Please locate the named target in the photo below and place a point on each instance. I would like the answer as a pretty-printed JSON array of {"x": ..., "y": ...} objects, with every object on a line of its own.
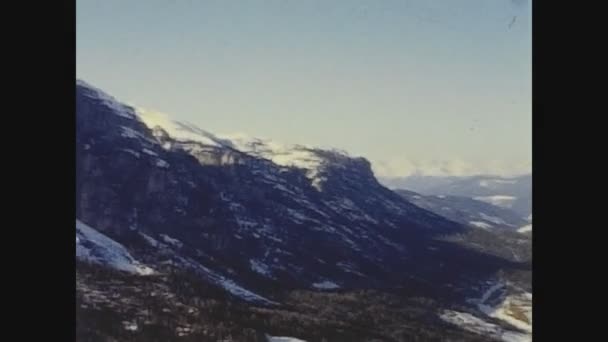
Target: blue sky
[{"x": 413, "y": 85}]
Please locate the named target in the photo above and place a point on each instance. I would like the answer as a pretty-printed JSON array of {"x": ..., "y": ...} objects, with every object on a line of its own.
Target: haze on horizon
[{"x": 433, "y": 87}]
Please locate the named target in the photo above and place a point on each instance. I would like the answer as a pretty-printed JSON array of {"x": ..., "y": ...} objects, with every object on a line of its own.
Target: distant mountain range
[
  {"x": 185, "y": 235},
  {"x": 467, "y": 211},
  {"x": 513, "y": 193}
]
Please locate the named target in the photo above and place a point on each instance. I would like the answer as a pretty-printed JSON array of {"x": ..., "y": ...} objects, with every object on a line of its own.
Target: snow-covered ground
[
  {"x": 95, "y": 247},
  {"x": 497, "y": 200},
  {"x": 178, "y": 130},
  {"x": 526, "y": 228},
  {"x": 513, "y": 309},
  {"x": 477, "y": 325},
  {"x": 299, "y": 156},
  {"x": 284, "y": 155},
  {"x": 470, "y": 322}
]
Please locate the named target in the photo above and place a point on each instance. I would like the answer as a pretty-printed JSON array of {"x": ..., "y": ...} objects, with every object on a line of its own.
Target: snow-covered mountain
[
  {"x": 514, "y": 193},
  {"x": 250, "y": 219}
]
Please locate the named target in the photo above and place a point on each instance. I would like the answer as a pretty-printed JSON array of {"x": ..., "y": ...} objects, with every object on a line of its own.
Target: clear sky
[{"x": 434, "y": 86}]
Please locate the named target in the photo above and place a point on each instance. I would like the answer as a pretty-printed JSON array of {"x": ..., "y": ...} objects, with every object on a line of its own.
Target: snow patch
[
  {"x": 514, "y": 309},
  {"x": 227, "y": 284},
  {"x": 480, "y": 224},
  {"x": 259, "y": 267},
  {"x": 162, "y": 164},
  {"x": 150, "y": 240},
  {"x": 479, "y": 326},
  {"x": 347, "y": 267},
  {"x": 241, "y": 292},
  {"x": 128, "y": 132},
  {"x": 134, "y": 153},
  {"x": 171, "y": 241},
  {"x": 497, "y": 200},
  {"x": 180, "y": 131},
  {"x": 526, "y": 228},
  {"x": 298, "y": 156},
  {"x": 490, "y": 291},
  {"x": 469, "y": 322},
  {"x": 150, "y": 152},
  {"x": 326, "y": 285},
  {"x": 130, "y": 326},
  {"x": 505, "y": 311},
  {"x": 95, "y": 247},
  {"x": 493, "y": 219}
]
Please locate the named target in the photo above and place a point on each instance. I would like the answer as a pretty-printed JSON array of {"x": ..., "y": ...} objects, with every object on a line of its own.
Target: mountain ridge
[
  {"x": 253, "y": 227},
  {"x": 512, "y": 193}
]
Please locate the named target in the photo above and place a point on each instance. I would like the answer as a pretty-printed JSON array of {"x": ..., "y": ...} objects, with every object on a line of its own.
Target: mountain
[
  {"x": 513, "y": 193},
  {"x": 242, "y": 237},
  {"x": 467, "y": 211},
  {"x": 500, "y": 231}
]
